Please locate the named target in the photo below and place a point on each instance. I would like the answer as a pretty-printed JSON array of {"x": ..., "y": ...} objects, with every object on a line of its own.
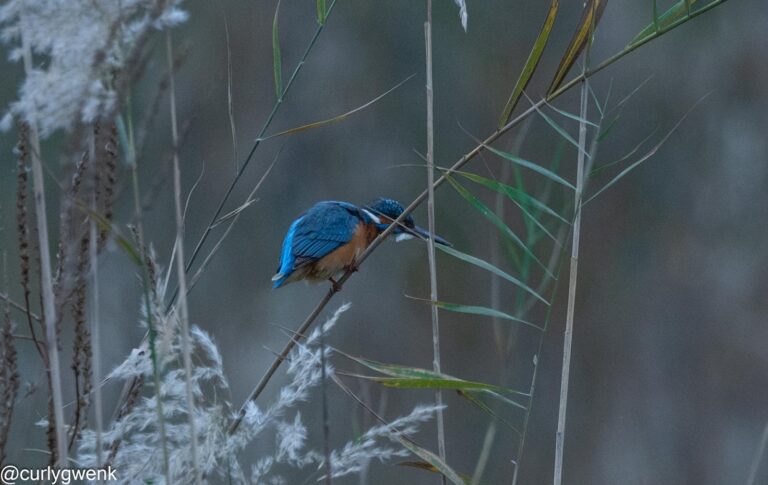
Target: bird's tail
[{"x": 279, "y": 280}]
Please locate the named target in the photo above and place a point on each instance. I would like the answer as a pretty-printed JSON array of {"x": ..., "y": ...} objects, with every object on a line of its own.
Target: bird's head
[{"x": 384, "y": 211}]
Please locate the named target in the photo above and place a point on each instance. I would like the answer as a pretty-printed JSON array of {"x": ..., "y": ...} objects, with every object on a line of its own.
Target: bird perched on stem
[{"x": 328, "y": 238}]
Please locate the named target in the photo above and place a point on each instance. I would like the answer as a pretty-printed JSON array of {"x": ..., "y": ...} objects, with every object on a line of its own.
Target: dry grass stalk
[
  {"x": 431, "y": 227},
  {"x": 9, "y": 379}
]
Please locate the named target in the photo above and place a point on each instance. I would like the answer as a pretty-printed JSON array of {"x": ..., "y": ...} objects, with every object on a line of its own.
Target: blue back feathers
[{"x": 318, "y": 232}]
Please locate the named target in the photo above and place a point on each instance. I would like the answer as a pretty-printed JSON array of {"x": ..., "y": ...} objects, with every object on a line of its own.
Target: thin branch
[
  {"x": 255, "y": 145},
  {"x": 431, "y": 226}
]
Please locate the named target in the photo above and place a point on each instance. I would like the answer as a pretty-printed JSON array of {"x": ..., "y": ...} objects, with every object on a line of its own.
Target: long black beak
[{"x": 424, "y": 234}]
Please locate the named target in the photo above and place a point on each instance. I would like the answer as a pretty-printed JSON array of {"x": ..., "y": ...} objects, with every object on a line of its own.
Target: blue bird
[{"x": 328, "y": 238}]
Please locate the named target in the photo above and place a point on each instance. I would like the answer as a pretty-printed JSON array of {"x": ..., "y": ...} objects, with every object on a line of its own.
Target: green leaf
[
  {"x": 423, "y": 378},
  {"x": 561, "y": 131},
  {"x": 513, "y": 193},
  {"x": 496, "y": 221},
  {"x": 276, "y": 60},
  {"x": 531, "y": 166},
  {"x": 489, "y": 267},
  {"x": 574, "y": 117},
  {"x": 321, "y": 12},
  {"x": 483, "y": 311},
  {"x": 578, "y": 41},
  {"x": 530, "y": 64},
  {"x": 661, "y": 22}
]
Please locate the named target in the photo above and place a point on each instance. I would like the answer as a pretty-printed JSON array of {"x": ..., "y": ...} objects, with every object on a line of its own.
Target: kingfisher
[{"x": 329, "y": 238}]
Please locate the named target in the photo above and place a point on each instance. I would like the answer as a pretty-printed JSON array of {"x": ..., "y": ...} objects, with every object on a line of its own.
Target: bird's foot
[
  {"x": 352, "y": 268},
  {"x": 335, "y": 285}
]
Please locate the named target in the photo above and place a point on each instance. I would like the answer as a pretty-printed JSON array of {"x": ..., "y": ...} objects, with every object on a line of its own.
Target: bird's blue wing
[{"x": 321, "y": 230}]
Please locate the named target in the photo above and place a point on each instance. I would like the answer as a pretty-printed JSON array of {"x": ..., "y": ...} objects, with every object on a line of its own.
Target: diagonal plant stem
[
  {"x": 255, "y": 145},
  {"x": 51, "y": 337},
  {"x": 423, "y": 196},
  {"x": 181, "y": 274},
  {"x": 431, "y": 226}
]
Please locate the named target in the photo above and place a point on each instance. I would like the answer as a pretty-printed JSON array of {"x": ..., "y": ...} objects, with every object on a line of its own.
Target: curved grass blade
[
  {"x": 530, "y": 218},
  {"x": 533, "y": 166},
  {"x": 483, "y": 311},
  {"x": 496, "y": 221},
  {"x": 530, "y": 64},
  {"x": 487, "y": 409},
  {"x": 578, "y": 41},
  {"x": 277, "y": 62},
  {"x": 572, "y": 116},
  {"x": 423, "y": 465},
  {"x": 341, "y": 117},
  {"x": 493, "y": 269},
  {"x": 678, "y": 11},
  {"x": 513, "y": 193},
  {"x": 432, "y": 460},
  {"x": 561, "y": 131}
]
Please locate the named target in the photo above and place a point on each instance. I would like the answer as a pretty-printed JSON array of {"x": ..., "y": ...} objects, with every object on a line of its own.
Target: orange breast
[{"x": 344, "y": 256}]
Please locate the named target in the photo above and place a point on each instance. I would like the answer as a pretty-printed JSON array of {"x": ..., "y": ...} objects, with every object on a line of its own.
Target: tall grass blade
[
  {"x": 493, "y": 269},
  {"x": 530, "y": 64},
  {"x": 593, "y": 10},
  {"x": 277, "y": 62}
]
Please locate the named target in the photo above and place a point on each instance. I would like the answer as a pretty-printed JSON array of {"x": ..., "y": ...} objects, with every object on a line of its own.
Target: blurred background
[{"x": 670, "y": 370}]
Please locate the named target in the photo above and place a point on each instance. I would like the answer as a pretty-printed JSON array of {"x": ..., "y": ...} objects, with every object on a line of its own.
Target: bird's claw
[{"x": 335, "y": 285}]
